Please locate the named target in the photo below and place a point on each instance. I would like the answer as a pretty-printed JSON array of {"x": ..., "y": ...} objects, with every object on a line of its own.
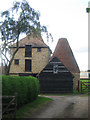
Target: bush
[{"x": 27, "y": 88}]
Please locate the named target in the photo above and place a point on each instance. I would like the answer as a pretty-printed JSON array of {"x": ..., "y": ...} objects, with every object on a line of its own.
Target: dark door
[
  {"x": 56, "y": 83},
  {"x": 28, "y": 65}
]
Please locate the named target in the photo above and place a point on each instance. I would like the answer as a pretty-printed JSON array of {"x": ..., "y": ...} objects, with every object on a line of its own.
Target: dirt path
[{"x": 64, "y": 107}]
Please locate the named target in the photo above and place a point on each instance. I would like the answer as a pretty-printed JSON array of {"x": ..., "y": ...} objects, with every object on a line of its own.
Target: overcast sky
[{"x": 63, "y": 18}]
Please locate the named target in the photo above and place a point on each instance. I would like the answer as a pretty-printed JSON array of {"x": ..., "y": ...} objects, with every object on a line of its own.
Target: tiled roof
[
  {"x": 65, "y": 54},
  {"x": 34, "y": 41}
]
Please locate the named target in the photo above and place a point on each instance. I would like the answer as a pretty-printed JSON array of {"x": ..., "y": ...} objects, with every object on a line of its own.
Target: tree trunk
[{"x": 10, "y": 62}]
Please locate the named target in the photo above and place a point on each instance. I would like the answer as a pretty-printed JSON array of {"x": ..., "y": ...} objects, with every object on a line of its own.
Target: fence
[
  {"x": 9, "y": 106},
  {"x": 84, "y": 85}
]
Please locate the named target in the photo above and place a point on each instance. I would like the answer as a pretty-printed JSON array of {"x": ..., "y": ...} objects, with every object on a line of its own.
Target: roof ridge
[{"x": 35, "y": 41}]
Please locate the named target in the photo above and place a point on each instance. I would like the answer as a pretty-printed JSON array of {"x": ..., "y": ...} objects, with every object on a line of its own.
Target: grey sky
[{"x": 64, "y": 18}]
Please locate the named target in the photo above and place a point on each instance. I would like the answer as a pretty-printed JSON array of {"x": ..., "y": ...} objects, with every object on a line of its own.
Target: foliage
[
  {"x": 21, "y": 18},
  {"x": 27, "y": 88},
  {"x": 75, "y": 91},
  {"x": 87, "y": 10}
]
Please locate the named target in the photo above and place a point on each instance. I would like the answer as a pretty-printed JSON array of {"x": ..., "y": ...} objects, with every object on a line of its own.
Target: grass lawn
[
  {"x": 85, "y": 80},
  {"x": 26, "y": 110}
]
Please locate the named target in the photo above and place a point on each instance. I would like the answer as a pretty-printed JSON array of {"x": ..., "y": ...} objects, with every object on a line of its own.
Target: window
[
  {"x": 16, "y": 61},
  {"x": 55, "y": 68},
  {"x": 28, "y": 65},
  {"x": 28, "y": 51},
  {"x": 38, "y": 49}
]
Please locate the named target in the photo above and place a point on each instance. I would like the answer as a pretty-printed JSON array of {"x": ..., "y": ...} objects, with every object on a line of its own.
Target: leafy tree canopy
[{"x": 21, "y": 18}]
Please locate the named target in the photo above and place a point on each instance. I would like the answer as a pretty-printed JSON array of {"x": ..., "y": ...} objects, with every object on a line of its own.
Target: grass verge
[
  {"x": 53, "y": 94},
  {"x": 65, "y": 94},
  {"x": 27, "y": 110}
]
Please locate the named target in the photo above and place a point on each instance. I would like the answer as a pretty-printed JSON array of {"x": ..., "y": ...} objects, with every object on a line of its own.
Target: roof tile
[
  {"x": 34, "y": 41},
  {"x": 65, "y": 54}
]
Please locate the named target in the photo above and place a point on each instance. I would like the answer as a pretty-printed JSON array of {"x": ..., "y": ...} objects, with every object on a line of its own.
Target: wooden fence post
[
  {"x": 15, "y": 105},
  {"x": 81, "y": 86},
  {"x": 78, "y": 85}
]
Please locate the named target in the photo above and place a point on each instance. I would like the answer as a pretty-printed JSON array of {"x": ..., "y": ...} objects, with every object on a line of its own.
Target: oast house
[
  {"x": 33, "y": 55},
  {"x": 57, "y": 73}
]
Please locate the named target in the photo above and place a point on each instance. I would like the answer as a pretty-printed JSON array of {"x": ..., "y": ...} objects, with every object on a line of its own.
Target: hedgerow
[{"x": 27, "y": 88}]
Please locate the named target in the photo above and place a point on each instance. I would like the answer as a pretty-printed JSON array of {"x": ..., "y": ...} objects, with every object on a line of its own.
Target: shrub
[{"x": 27, "y": 88}]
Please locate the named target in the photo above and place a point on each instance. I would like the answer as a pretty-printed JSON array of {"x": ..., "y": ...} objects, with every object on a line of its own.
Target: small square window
[
  {"x": 38, "y": 49},
  {"x": 16, "y": 61}
]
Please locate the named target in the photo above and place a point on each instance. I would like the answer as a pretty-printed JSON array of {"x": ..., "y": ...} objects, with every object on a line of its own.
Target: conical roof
[
  {"x": 34, "y": 41},
  {"x": 65, "y": 54}
]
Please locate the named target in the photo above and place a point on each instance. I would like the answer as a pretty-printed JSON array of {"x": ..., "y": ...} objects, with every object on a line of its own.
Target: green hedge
[{"x": 27, "y": 88}]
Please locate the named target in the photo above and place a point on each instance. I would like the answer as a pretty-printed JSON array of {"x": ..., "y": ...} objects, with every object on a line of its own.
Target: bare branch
[{"x": 5, "y": 56}]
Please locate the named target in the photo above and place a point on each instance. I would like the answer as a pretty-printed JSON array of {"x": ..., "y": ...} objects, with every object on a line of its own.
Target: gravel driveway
[{"x": 74, "y": 106}]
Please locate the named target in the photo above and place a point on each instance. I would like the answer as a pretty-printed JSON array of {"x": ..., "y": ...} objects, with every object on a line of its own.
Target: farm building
[
  {"x": 55, "y": 78},
  {"x": 66, "y": 56},
  {"x": 33, "y": 55},
  {"x": 68, "y": 70}
]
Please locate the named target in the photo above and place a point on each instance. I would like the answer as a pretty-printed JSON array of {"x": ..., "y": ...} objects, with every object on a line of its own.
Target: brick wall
[
  {"x": 75, "y": 80},
  {"x": 39, "y": 60}
]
